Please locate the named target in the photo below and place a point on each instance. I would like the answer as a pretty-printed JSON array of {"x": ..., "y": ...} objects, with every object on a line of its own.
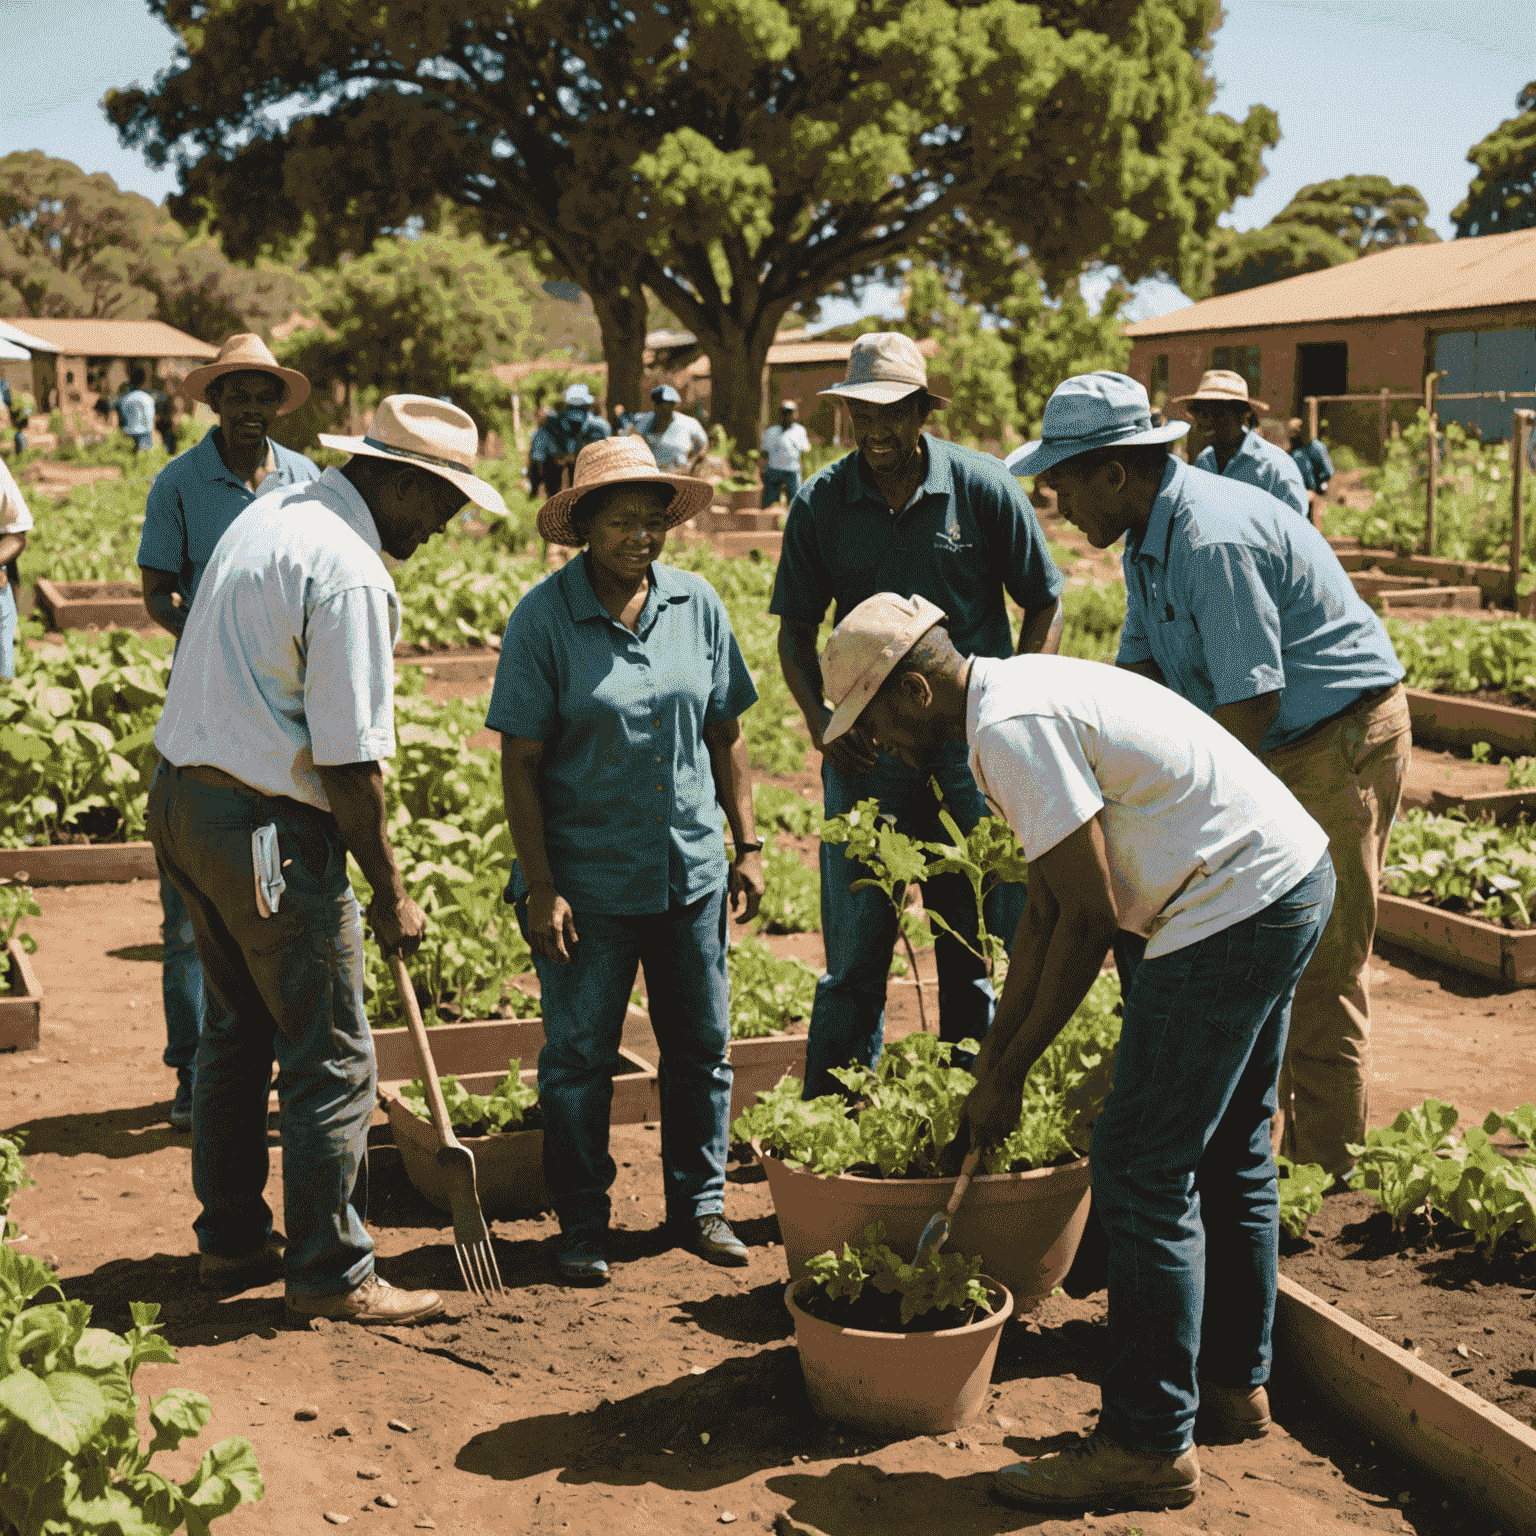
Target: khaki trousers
[{"x": 1349, "y": 775}]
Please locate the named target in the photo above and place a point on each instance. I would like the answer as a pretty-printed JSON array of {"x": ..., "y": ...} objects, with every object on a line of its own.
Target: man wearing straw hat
[
  {"x": 192, "y": 501},
  {"x": 279, "y": 714},
  {"x": 1223, "y": 412},
  {"x": 1245, "y": 611},
  {"x": 912, "y": 514}
]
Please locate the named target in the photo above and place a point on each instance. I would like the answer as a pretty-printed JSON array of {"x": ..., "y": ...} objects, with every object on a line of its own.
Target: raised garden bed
[
  {"x": 1502, "y": 805},
  {"x": 1458, "y": 720},
  {"x": 760, "y": 1064},
  {"x": 93, "y": 604},
  {"x": 80, "y": 863},
  {"x": 1466, "y": 943},
  {"x": 21, "y": 1000},
  {"x": 1440, "y": 599}
]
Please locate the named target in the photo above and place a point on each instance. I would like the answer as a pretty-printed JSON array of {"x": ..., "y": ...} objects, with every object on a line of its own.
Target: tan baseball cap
[
  {"x": 863, "y": 651},
  {"x": 883, "y": 367}
]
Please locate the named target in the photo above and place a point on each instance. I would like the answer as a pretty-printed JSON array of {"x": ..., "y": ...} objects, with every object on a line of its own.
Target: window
[
  {"x": 1158, "y": 389},
  {"x": 1239, "y": 360}
]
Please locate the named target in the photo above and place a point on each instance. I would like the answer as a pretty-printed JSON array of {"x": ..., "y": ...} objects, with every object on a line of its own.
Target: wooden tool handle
[
  {"x": 435, "y": 1104},
  {"x": 963, "y": 1183}
]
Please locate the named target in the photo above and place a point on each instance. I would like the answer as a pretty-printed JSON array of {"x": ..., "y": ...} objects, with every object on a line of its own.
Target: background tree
[
  {"x": 737, "y": 159},
  {"x": 1249, "y": 258},
  {"x": 1502, "y": 195}
]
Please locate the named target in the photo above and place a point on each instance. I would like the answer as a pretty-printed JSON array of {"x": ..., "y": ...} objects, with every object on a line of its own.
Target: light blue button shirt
[
  {"x": 1258, "y": 462},
  {"x": 684, "y": 437},
  {"x": 137, "y": 413},
  {"x": 1233, "y": 597}
]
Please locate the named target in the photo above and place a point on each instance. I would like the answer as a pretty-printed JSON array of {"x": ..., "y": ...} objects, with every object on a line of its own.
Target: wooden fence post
[
  {"x": 1312, "y": 421},
  {"x": 1520, "y": 441},
  {"x": 1382, "y": 413},
  {"x": 1431, "y": 383}
]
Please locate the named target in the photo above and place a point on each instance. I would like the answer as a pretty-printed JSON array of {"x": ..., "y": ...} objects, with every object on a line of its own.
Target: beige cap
[
  {"x": 1222, "y": 384},
  {"x": 245, "y": 352},
  {"x": 883, "y": 367},
  {"x": 618, "y": 461},
  {"x": 863, "y": 651},
  {"x": 430, "y": 434}
]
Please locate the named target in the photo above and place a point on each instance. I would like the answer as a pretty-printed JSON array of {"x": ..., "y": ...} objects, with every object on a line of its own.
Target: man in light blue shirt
[
  {"x": 1223, "y": 411},
  {"x": 136, "y": 412},
  {"x": 561, "y": 436},
  {"x": 678, "y": 441},
  {"x": 1312, "y": 459},
  {"x": 1246, "y": 612}
]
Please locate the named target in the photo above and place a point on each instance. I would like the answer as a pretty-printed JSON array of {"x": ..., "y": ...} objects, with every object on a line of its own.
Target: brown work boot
[
  {"x": 242, "y": 1271},
  {"x": 1232, "y": 1413},
  {"x": 374, "y": 1301},
  {"x": 1098, "y": 1474}
]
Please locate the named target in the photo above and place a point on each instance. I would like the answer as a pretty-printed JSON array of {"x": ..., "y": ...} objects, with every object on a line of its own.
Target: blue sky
[{"x": 1400, "y": 88}]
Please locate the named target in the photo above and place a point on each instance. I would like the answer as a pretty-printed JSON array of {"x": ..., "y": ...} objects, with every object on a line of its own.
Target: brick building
[{"x": 1465, "y": 308}]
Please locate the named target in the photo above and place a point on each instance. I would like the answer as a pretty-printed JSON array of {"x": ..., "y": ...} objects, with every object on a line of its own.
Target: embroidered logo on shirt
[{"x": 949, "y": 539}]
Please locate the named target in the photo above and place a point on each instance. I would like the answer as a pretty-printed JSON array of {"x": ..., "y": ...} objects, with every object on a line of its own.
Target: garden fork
[{"x": 471, "y": 1236}]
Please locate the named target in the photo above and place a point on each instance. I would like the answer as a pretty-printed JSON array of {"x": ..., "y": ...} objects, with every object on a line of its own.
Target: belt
[
  {"x": 1365, "y": 701},
  {"x": 205, "y": 773}
]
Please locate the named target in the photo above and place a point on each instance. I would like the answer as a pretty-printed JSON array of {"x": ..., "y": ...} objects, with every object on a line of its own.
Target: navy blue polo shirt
[
  {"x": 193, "y": 501},
  {"x": 967, "y": 536},
  {"x": 1234, "y": 596},
  {"x": 632, "y": 820}
]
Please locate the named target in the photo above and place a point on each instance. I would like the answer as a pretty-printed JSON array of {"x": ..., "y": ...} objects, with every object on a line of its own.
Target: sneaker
[
  {"x": 1233, "y": 1413},
  {"x": 374, "y": 1301},
  {"x": 581, "y": 1260},
  {"x": 1098, "y": 1474},
  {"x": 711, "y": 1238},
  {"x": 243, "y": 1271}
]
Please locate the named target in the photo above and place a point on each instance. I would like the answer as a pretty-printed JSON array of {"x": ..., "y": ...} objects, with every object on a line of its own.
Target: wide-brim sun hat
[
  {"x": 884, "y": 367},
  {"x": 1088, "y": 411},
  {"x": 1222, "y": 386},
  {"x": 426, "y": 433},
  {"x": 247, "y": 353},
  {"x": 864, "y": 650},
  {"x": 618, "y": 461}
]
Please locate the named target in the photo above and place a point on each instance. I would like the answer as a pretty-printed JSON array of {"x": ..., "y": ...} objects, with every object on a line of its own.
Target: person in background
[
  {"x": 165, "y": 420},
  {"x": 1222, "y": 411},
  {"x": 193, "y": 500},
  {"x": 564, "y": 434},
  {"x": 1312, "y": 460},
  {"x": 618, "y": 695},
  {"x": 278, "y": 719},
  {"x": 15, "y": 523},
  {"x": 676, "y": 441},
  {"x": 136, "y": 412},
  {"x": 1246, "y": 612},
  {"x": 783, "y": 443},
  {"x": 923, "y": 517},
  {"x": 619, "y": 418}
]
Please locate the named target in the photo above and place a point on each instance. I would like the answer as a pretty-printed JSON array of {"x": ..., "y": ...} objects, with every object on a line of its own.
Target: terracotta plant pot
[
  {"x": 898, "y": 1383},
  {"x": 759, "y": 1065},
  {"x": 1024, "y": 1226}
]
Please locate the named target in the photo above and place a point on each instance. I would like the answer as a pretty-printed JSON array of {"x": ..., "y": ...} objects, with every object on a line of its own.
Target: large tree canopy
[
  {"x": 1503, "y": 193},
  {"x": 1249, "y": 258},
  {"x": 740, "y": 158}
]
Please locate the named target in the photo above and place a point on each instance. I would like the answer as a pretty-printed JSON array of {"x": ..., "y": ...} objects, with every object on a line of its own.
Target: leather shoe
[
  {"x": 711, "y": 1238},
  {"x": 1098, "y": 1474},
  {"x": 582, "y": 1261},
  {"x": 243, "y": 1271},
  {"x": 1232, "y": 1413},
  {"x": 374, "y": 1301}
]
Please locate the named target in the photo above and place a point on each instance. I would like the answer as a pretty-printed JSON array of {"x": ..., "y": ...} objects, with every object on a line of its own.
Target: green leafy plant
[
  {"x": 767, "y": 990},
  {"x": 478, "y": 1114},
  {"x": 1522, "y": 772},
  {"x": 1092, "y": 618},
  {"x": 16, "y": 902},
  {"x": 1464, "y": 655},
  {"x": 1301, "y": 1188},
  {"x": 1474, "y": 867},
  {"x": 940, "y": 1283},
  {"x": 779, "y": 808},
  {"x": 1411, "y": 1165},
  {"x": 1494, "y": 1196},
  {"x": 792, "y": 900}
]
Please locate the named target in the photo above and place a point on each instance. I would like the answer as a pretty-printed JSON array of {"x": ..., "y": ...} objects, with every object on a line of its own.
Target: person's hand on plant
[
  {"x": 398, "y": 924},
  {"x": 746, "y": 885},
  {"x": 849, "y": 754},
  {"x": 551, "y": 924},
  {"x": 992, "y": 1111}
]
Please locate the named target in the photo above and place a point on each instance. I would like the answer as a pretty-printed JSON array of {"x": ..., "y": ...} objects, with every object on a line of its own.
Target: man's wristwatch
[{"x": 742, "y": 848}]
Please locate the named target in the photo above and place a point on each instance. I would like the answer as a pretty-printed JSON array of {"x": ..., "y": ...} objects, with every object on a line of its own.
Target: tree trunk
[
  {"x": 621, "y": 311},
  {"x": 737, "y": 361}
]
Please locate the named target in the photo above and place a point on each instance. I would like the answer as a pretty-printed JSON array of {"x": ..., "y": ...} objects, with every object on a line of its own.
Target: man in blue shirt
[
  {"x": 1246, "y": 612},
  {"x": 136, "y": 412},
  {"x": 191, "y": 503},
  {"x": 918, "y": 516},
  {"x": 561, "y": 436},
  {"x": 678, "y": 441},
  {"x": 1312, "y": 460},
  {"x": 1223, "y": 412}
]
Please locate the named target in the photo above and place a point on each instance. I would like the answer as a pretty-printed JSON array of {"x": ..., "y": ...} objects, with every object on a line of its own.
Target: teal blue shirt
[
  {"x": 967, "y": 536},
  {"x": 1233, "y": 596},
  {"x": 632, "y": 820},
  {"x": 1258, "y": 462}
]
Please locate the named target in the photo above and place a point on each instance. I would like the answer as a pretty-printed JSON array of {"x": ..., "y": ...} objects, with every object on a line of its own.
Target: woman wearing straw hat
[
  {"x": 618, "y": 695},
  {"x": 1222, "y": 410}
]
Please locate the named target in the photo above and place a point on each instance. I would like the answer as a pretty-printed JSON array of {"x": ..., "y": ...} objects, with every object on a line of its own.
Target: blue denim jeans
[
  {"x": 181, "y": 981},
  {"x": 858, "y": 928},
  {"x": 1183, "y": 1179},
  {"x": 287, "y": 988},
  {"x": 780, "y": 482},
  {"x": 7, "y": 632},
  {"x": 683, "y": 951}
]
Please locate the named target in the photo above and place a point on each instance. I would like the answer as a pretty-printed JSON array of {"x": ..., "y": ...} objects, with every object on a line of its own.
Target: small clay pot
[{"x": 898, "y": 1383}]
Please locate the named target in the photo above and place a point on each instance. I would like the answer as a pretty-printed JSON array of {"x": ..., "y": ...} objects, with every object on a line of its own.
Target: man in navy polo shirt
[
  {"x": 1244, "y": 610},
  {"x": 918, "y": 516},
  {"x": 191, "y": 503}
]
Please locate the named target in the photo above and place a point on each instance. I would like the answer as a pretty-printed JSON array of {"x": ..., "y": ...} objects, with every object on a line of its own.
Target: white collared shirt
[
  {"x": 14, "y": 515},
  {"x": 1198, "y": 832},
  {"x": 287, "y": 658}
]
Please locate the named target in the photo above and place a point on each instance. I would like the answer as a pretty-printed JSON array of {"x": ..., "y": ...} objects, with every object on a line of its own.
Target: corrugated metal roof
[
  {"x": 109, "y": 338},
  {"x": 1480, "y": 273}
]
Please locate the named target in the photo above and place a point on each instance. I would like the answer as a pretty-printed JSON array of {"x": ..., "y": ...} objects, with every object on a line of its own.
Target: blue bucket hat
[
  {"x": 1087, "y": 411},
  {"x": 666, "y": 392},
  {"x": 579, "y": 394}
]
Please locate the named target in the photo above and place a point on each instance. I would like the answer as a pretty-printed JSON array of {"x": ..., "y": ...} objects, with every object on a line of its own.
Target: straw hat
[
  {"x": 425, "y": 434},
  {"x": 864, "y": 649},
  {"x": 245, "y": 353},
  {"x": 883, "y": 367},
  {"x": 1221, "y": 384},
  {"x": 618, "y": 461}
]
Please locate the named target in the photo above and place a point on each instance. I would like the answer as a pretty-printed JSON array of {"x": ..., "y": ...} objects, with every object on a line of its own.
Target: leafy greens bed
[
  {"x": 1459, "y": 655},
  {"x": 1471, "y": 867}
]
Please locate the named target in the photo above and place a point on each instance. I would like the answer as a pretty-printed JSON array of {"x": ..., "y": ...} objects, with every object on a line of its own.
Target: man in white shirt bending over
[
  {"x": 1139, "y": 816},
  {"x": 783, "y": 443}
]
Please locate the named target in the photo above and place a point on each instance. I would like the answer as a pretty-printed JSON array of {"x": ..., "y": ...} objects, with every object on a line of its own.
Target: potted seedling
[{"x": 893, "y": 1346}]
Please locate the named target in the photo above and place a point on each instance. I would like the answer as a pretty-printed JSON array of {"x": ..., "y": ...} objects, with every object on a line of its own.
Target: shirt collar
[
  {"x": 1153, "y": 543},
  {"x": 939, "y": 480},
  {"x": 212, "y": 466},
  {"x": 349, "y": 506},
  {"x": 576, "y": 580}
]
